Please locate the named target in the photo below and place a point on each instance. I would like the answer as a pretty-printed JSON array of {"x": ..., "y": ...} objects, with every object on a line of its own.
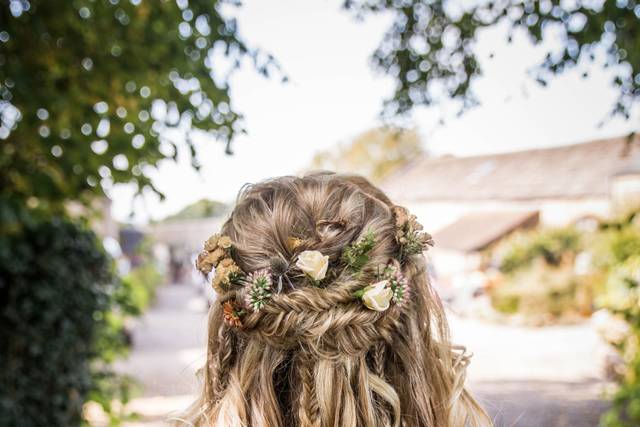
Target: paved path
[
  {"x": 169, "y": 346},
  {"x": 529, "y": 377}
]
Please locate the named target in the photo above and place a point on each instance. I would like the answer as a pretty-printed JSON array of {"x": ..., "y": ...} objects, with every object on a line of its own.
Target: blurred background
[{"x": 128, "y": 126}]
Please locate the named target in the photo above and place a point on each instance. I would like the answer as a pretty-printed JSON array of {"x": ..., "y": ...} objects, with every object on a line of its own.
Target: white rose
[
  {"x": 377, "y": 296},
  {"x": 313, "y": 264}
]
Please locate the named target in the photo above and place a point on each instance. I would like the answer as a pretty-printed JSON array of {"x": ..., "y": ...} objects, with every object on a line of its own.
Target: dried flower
[
  {"x": 258, "y": 289},
  {"x": 227, "y": 262},
  {"x": 401, "y": 215},
  {"x": 409, "y": 235},
  {"x": 208, "y": 260},
  {"x": 217, "y": 254},
  {"x": 224, "y": 242},
  {"x": 203, "y": 263},
  {"x": 293, "y": 243},
  {"x": 225, "y": 276},
  {"x": 232, "y": 314},
  {"x": 211, "y": 243}
]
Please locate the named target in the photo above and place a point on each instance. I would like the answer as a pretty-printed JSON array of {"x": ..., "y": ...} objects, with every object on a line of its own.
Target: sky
[{"x": 333, "y": 95}]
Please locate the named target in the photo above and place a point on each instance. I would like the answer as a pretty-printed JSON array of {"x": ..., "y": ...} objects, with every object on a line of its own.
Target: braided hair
[{"x": 308, "y": 352}]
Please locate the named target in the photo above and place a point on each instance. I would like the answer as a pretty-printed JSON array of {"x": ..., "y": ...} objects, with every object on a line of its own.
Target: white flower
[
  {"x": 313, "y": 264},
  {"x": 377, "y": 296}
]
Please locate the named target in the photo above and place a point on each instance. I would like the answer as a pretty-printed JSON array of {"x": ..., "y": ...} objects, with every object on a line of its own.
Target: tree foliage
[
  {"x": 203, "y": 208},
  {"x": 89, "y": 89},
  {"x": 618, "y": 254},
  {"x": 429, "y": 48},
  {"x": 373, "y": 154}
]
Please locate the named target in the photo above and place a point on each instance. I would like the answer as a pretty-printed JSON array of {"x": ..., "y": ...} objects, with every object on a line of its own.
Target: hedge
[{"x": 54, "y": 294}]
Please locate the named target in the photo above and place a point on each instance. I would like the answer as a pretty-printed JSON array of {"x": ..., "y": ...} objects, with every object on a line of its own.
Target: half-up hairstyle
[{"x": 310, "y": 353}]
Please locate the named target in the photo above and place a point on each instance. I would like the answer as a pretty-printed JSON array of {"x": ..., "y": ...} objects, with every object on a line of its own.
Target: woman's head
[{"x": 325, "y": 314}]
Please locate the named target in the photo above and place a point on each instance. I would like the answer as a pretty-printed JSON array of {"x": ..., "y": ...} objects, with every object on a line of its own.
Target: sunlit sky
[{"x": 333, "y": 95}]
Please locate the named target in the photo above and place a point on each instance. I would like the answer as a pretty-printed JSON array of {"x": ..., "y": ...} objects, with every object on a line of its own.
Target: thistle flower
[
  {"x": 280, "y": 268},
  {"x": 232, "y": 315}
]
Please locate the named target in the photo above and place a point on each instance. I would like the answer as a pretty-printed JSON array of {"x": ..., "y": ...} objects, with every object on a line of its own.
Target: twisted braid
[
  {"x": 378, "y": 353},
  {"x": 308, "y": 408},
  {"x": 328, "y": 321},
  {"x": 221, "y": 357}
]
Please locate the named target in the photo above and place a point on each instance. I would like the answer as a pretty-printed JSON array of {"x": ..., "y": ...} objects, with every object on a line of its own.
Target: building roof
[
  {"x": 476, "y": 231},
  {"x": 572, "y": 171}
]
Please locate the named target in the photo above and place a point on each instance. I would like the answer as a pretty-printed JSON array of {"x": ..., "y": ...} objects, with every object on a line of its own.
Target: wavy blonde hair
[{"x": 317, "y": 357}]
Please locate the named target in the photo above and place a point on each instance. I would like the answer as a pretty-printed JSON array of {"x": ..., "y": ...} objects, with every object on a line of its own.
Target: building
[
  {"x": 178, "y": 241},
  {"x": 469, "y": 203}
]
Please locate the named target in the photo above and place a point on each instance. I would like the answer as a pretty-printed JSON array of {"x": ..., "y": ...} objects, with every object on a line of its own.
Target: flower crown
[{"x": 259, "y": 286}]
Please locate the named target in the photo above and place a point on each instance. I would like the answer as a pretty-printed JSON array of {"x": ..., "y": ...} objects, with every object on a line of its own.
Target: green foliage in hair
[
  {"x": 356, "y": 255},
  {"x": 415, "y": 243},
  {"x": 235, "y": 278}
]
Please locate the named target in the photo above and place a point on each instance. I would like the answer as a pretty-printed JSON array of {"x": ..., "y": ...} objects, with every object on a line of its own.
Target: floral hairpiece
[
  {"x": 409, "y": 234},
  {"x": 217, "y": 254},
  {"x": 258, "y": 289},
  {"x": 397, "y": 282},
  {"x": 313, "y": 264},
  {"x": 356, "y": 255},
  {"x": 232, "y": 313},
  {"x": 392, "y": 286}
]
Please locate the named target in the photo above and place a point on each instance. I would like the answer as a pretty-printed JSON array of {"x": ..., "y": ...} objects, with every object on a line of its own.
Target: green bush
[
  {"x": 623, "y": 298},
  {"x": 617, "y": 249},
  {"x": 552, "y": 246},
  {"x": 614, "y": 246},
  {"x": 139, "y": 288},
  {"x": 55, "y": 286},
  {"x": 539, "y": 291},
  {"x": 538, "y": 279}
]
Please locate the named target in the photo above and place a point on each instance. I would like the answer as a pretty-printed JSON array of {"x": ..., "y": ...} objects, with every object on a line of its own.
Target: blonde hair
[{"x": 316, "y": 356}]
